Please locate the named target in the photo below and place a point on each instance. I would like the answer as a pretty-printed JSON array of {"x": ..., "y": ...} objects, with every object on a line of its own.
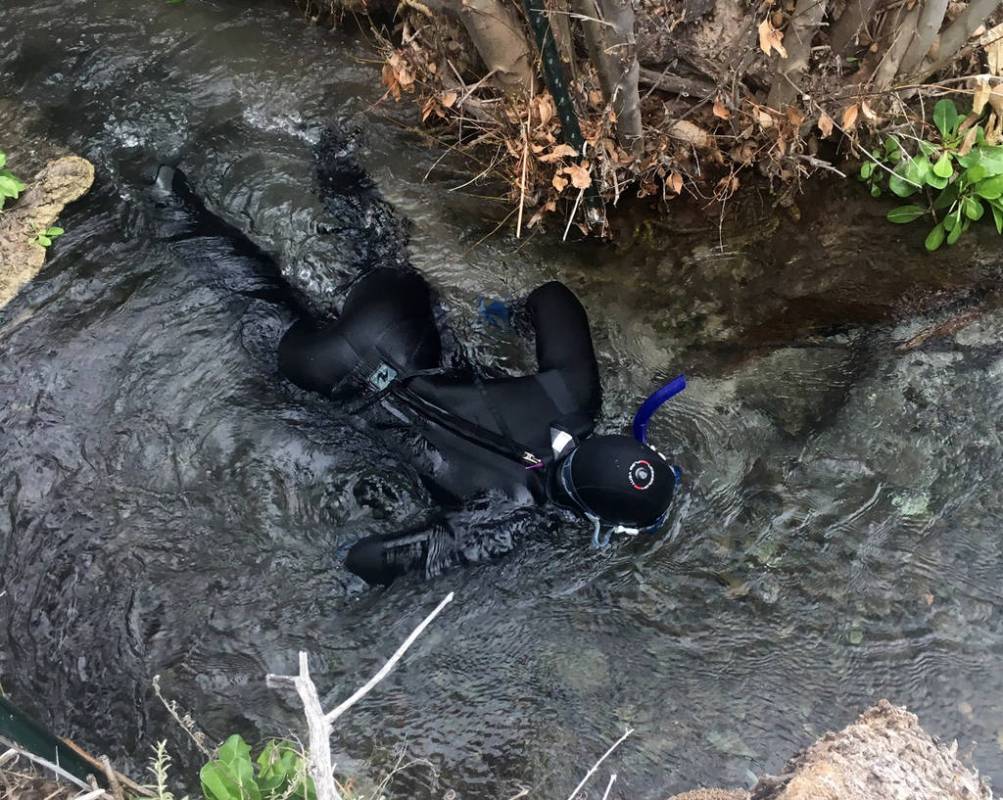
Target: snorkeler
[{"x": 514, "y": 441}]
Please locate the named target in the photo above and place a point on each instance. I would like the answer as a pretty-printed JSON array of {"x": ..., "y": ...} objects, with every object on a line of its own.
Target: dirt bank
[
  {"x": 61, "y": 182},
  {"x": 884, "y": 755}
]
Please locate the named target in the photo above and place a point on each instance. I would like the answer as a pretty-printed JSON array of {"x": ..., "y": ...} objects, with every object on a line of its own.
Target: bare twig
[
  {"x": 186, "y": 721},
  {"x": 319, "y": 723},
  {"x": 612, "y": 780},
  {"x": 42, "y": 762},
  {"x": 112, "y": 778},
  {"x": 574, "y": 210},
  {"x": 603, "y": 757},
  {"x": 525, "y": 163}
]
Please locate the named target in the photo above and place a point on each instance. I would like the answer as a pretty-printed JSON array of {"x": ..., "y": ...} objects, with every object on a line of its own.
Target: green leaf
[
  {"x": 935, "y": 238},
  {"x": 974, "y": 208},
  {"x": 9, "y": 186},
  {"x": 997, "y": 218},
  {"x": 866, "y": 169},
  {"x": 898, "y": 183},
  {"x": 53, "y": 232},
  {"x": 955, "y": 233},
  {"x": 217, "y": 782},
  {"x": 904, "y": 214},
  {"x": 875, "y": 190},
  {"x": 989, "y": 158},
  {"x": 44, "y": 241},
  {"x": 974, "y": 173},
  {"x": 945, "y": 117},
  {"x": 943, "y": 168},
  {"x": 990, "y": 188},
  {"x": 936, "y": 182},
  {"x": 946, "y": 197},
  {"x": 3, "y": 158},
  {"x": 233, "y": 749}
]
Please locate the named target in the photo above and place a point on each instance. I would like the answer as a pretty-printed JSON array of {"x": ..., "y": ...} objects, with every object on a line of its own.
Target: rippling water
[{"x": 170, "y": 506}]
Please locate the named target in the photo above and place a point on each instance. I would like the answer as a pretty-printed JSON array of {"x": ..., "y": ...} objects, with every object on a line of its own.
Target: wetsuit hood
[{"x": 619, "y": 480}]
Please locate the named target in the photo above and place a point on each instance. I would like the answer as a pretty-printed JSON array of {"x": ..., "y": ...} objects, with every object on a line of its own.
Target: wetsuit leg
[
  {"x": 380, "y": 560},
  {"x": 387, "y": 318}
]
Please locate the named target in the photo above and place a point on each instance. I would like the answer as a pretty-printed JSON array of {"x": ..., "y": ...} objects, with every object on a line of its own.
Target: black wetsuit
[
  {"x": 487, "y": 458},
  {"x": 487, "y": 434}
]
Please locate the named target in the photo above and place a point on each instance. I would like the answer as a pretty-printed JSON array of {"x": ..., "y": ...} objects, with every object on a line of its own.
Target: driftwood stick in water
[
  {"x": 319, "y": 722},
  {"x": 594, "y": 767}
]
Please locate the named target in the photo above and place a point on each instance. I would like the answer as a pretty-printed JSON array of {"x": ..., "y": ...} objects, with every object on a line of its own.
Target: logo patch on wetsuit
[
  {"x": 382, "y": 377},
  {"x": 641, "y": 475}
]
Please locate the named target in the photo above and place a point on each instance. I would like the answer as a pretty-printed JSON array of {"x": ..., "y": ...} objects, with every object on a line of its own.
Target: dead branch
[
  {"x": 612, "y": 46},
  {"x": 675, "y": 84},
  {"x": 902, "y": 38},
  {"x": 42, "y": 762},
  {"x": 959, "y": 32},
  {"x": 801, "y": 30},
  {"x": 497, "y": 32},
  {"x": 857, "y": 14},
  {"x": 594, "y": 767},
  {"x": 320, "y": 724},
  {"x": 927, "y": 28},
  {"x": 560, "y": 24}
]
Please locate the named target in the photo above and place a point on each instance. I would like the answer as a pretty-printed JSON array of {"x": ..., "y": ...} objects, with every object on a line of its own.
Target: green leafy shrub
[
  {"x": 10, "y": 184},
  {"x": 278, "y": 773},
  {"x": 960, "y": 176}
]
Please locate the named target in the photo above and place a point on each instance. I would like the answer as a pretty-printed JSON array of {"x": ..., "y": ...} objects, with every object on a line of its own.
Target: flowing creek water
[{"x": 170, "y": 506}]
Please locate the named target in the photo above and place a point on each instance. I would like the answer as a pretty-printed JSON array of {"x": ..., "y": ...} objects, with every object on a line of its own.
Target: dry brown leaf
[
  {"x": 721, "y": 110},
  {"x": 549, "y": 207},
  {"x": 982, "y": 92},
  {"x": 545, "y": 109},
  {"x": 969, "y": 141},
  {"x": 559, "y": 152},
  {"x": 771, "y": 39},
  {"x": 691, "y": 133},
  {"x": 676, "y": 182},
  {"x": 850, "y": 117},
  {"x": 825, "y": 125},
  {"x": 579, "y": 174},
  {"x": 996, "y": 100},
  {"x": 763, "y": 118},
  {"x": 449, "y": 99},
  {"x": 794, "y": 117},
  {"x": 559, "y": 183},
  {"x": 390, "y": 81},
  {"x": 869, "y": 114},
  {"x": 994, "y": 134}
]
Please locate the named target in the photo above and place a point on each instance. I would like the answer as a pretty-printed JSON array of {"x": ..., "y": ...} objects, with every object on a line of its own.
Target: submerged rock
[
  {"x": 884, "y": 755},
  {"x": 61, "y": 182}
]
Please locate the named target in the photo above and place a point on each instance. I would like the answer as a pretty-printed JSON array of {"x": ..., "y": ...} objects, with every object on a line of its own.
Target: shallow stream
[{"x": 170, "y": 506}]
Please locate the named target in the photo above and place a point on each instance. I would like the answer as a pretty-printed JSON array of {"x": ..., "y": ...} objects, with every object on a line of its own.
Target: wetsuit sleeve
[
  {"x": 564, "y": 343},
  {"x": 562, "y": 327}
]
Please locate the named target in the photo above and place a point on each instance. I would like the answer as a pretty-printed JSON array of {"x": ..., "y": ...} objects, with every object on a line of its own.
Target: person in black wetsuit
[{"x": 530, "y": 438}]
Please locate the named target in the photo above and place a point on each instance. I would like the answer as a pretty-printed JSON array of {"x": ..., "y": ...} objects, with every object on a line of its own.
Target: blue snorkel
[{"x": 652, "y": 404}]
